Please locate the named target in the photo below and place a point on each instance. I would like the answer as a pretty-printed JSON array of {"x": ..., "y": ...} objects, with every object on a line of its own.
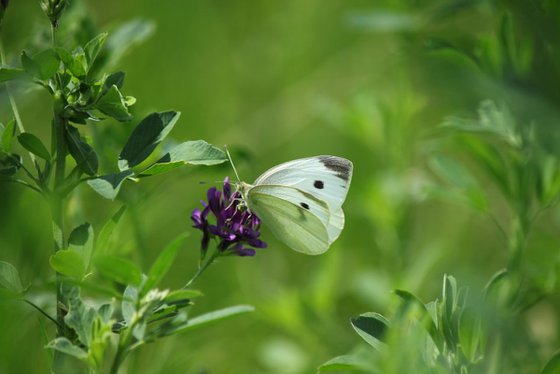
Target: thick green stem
[{"x": 57, "y": 202}]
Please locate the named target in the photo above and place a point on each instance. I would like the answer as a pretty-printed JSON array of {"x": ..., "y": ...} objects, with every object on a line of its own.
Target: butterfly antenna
[{"x": 232, "y": 164}]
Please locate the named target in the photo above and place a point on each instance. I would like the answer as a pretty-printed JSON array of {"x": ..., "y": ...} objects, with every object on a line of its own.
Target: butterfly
[{"x": 300, "y": 201}]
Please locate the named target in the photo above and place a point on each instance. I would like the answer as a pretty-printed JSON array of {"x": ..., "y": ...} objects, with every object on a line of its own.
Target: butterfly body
[{"x": 300, "y": 201}]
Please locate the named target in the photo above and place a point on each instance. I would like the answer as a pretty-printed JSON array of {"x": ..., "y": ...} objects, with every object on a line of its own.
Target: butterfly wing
[
  {"x": 325, "y": 177},
  {"x": 292, "y": 224},
  {"x": 294, "y": 215}
]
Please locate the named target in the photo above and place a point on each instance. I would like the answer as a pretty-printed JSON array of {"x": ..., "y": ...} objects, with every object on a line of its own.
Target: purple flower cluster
[{"x": 236, "y": 228}]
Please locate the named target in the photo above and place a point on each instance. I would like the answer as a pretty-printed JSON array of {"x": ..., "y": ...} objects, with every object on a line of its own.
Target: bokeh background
[{"x": 275, "y": 81}]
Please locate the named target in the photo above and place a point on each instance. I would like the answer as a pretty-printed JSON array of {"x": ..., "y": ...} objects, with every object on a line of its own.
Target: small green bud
[{"x": 53, "y": 9}]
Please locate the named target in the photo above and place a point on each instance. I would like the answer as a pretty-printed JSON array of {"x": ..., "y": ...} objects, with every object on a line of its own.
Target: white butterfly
[{"x": 300, "y": 201}]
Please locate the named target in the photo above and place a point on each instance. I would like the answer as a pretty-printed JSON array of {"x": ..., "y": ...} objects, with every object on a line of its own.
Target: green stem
[
  {"x": 42, "y": 312},
  {"x": 57, "y": 202},
  {"x": 202, "y": 268},
  {"x": 122, "y": 348},
  {"x": 24, "y": 183}
]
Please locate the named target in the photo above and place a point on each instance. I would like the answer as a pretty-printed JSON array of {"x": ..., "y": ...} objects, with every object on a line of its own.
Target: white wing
[
  {"x": 292, "y": 224},
  {"x": 325, "y": 177},
  {"x": 332, "y": 222}
]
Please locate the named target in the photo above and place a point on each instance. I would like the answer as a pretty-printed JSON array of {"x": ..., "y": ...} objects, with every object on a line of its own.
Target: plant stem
[
  {"x": 201, "y": 269},
  {"x": 42, "y": 312},
  {"x": 24, "y": 183},
  {"x": 57, "y": 202},
  {"x": 122, "y": 348}
]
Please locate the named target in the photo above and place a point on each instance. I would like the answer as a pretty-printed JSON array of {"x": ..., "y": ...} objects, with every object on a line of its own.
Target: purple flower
[{"x": 235, "y": 227}]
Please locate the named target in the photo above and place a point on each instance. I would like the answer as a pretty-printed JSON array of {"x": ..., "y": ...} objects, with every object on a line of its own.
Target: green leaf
[
  {"x": 105, "y": 312},
  {"x": 7, "y": 136},
  {"x": 422, "y": 315},
  {"x": 115, "y": 79},
  {"x": 109, "y": 185},
  {"x": 146, "y": 137},
  {"x": 471, "y": 334},
  {"x": 210, "y": 318},
  {"x": 449, "y": 301},
  {"x": 9, "y": 278},
  {"x": 118, "y": 269},
  {"x": 128, "y": 305},
  {"x": 81, "y": 241},
  {"x": 75, "y": 63},
  {"x": 182, "y": 295},
  {"x": 80, "y": 317},
  {"x": 553, "y": 365},
  {"x": 102, "y": 244},
  {"x": 68, "y": 262},
  {"x": 126, "y": 37},
  {"x": 501, "y": 289},
  {"x": 93, "y": 47},
  {"x": 163, "y": 263},
  {"x": 81, "y": 151},
  {"x": 197, "y": 152},
  {"x": 114, "y": 105},
  {"x": 34, "y": 145},
  {"x": 10, "y": 164},
  {"x": 43, "y": 65},
  {"x": 8, "y": 73},
  {"x": 344, "y": 363},
  {"x": 372, "y": 327},
  {"x": 65, "y": 346}
]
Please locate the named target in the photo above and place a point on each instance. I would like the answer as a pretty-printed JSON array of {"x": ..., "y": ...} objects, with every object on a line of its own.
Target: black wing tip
[{"x": 341, "y": 166}]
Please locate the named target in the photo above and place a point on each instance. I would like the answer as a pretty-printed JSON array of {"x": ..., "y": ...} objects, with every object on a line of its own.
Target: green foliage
[
  {"x": 197, "y": 152},
  {"x": 68, "y": 262},
  {"x": 163, "y": 263},
  {"x": 453, "y": 339},
  {"x": 466, "y": 195},
  {"x": 9, "y": 278},
  {"x": 43, "y": 65},
  {"x": 34, "y": 145},
  {"x": 146, "y": 137}
]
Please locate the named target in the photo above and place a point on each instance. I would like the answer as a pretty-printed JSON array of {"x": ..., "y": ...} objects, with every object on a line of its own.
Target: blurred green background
[{"x": 275, "y": 81}]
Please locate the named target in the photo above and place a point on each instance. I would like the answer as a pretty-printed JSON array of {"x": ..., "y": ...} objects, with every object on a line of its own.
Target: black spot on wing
[
  {"x": 319, "y": 184},
  {"x": 340, "y": 166},
  {"x": 304, "y": 205}
]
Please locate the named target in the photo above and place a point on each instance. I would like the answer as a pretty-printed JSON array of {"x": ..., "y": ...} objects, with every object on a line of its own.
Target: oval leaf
[
  {"x": 81, "y": 241},
  {"x": 196, "y": 152},
  {"x": 113, "y": 104},
  {"x": 372, "y": 327},
  {"x": 68, "y": 262},
  {"x": 34, "y": 145},
  {"x": 146, "y": 137},
  {"x": 43, "y": 65},
  {"x": 8, "y": 73},
  {"x": 7, "y": 136},
  {"x": 65, "y": 346},
  {"x": 93, "y": 47},
  {"x": 118, "y": 269},
  {"x": 9, "y": 278},
  {"x": 82, "y": 152},
  {"x": 109, "y": 185},
  {"x": 75, "y": 64}
]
